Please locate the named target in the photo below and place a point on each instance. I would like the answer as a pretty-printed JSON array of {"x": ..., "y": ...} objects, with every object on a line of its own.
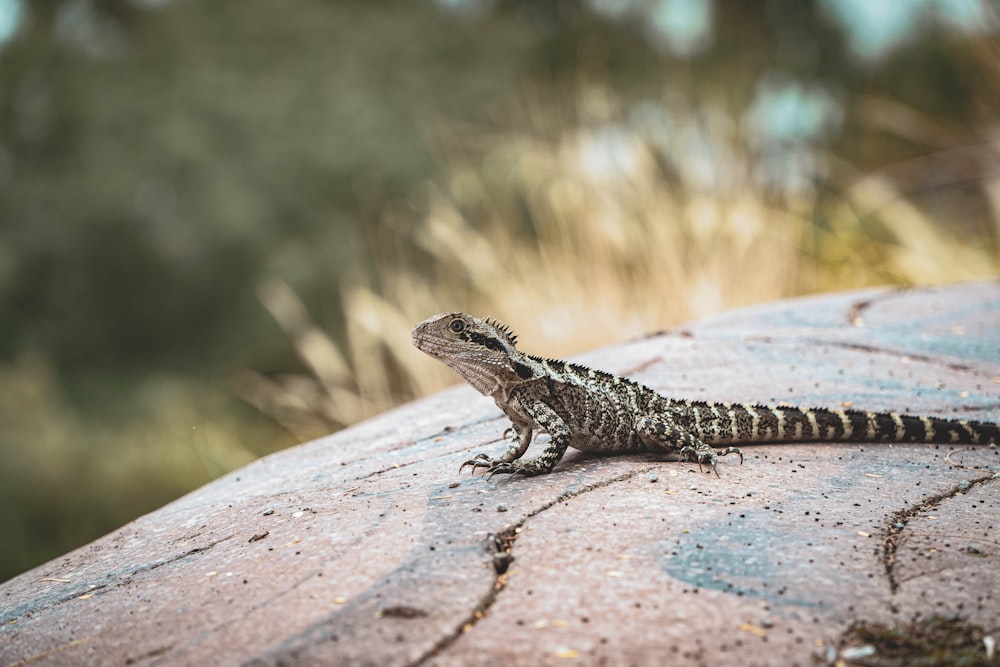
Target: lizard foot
[
  {"x": 706, "y": 454},
  {"x": 496, "y": 466},
  {"x": 501, "y": 467}
]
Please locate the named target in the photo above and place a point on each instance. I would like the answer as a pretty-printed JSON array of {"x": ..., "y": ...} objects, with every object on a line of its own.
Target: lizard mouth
[{"x": 428, "y": 344}]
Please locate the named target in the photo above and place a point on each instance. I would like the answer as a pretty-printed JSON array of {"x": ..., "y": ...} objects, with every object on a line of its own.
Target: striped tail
[
  {"x": 858, "y": 426},
  {"x": 720, "y": 423}
]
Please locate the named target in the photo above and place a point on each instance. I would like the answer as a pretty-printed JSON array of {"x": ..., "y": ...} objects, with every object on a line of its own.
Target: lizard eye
[{"x": 457, "y": 326}]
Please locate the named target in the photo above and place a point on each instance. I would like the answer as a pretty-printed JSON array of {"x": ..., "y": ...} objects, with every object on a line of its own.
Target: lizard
[{"x": 596, "y": 411}]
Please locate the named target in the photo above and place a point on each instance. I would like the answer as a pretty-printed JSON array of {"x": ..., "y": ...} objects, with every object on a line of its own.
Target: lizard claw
[
  {"x": 708, "y": 455},
  {"x": 478, "y": 461},
  {"x": 731, "y": 450},
  {"x": 499, "y": 467}
]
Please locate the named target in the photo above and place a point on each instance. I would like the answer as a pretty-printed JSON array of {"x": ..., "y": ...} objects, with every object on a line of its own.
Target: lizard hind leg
[{"x": 660, "y": 434}]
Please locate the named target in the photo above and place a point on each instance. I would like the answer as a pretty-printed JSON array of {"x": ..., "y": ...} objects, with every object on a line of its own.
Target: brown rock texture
[{"x": 369, "y": 548}]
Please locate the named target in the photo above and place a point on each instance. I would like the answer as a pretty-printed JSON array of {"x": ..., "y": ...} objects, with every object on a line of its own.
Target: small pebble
[
  {"x": 454, "y": 485},
  {"x": 269, "y": 511},
  {"x": 653, "y": 477},
  {"x": 501, "y": 508}
]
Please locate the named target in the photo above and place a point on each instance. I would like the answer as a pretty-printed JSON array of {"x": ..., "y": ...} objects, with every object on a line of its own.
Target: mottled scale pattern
[{"x": 599, "y": 412}]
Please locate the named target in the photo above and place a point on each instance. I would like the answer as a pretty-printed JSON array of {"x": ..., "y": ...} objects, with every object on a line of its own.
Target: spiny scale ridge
[{"x": 503, "y": 330}]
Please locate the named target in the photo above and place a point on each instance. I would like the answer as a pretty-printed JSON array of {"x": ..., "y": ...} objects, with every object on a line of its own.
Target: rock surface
[{"x": 369, "y": 547}]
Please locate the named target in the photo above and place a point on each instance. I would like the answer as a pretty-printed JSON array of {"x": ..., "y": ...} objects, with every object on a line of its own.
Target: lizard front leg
[
  {"x": 517, "y": 448},
  {"x": 547, "y": 421},
  {"x": 544, "y": 419},
  {"x": 662, "y": 433}
]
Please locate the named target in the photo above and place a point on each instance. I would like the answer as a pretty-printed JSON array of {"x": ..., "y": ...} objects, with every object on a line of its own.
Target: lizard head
[{"x": 480, "y": 350}]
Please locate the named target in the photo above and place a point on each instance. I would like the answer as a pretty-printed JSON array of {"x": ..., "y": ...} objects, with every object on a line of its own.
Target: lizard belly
[{"x": 588, "y": 442}]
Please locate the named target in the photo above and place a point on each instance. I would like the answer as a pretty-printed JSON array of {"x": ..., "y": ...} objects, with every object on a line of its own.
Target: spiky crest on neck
[{"x": 503, "y": 330}]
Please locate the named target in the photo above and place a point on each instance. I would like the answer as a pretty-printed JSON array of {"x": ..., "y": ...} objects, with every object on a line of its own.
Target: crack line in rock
[
  {"x": 418, "y": 442},
  {"x": 502, "y": 545},
  {"x": 855, "y": 312},
  {"x": 113, "y": 578},
  {"x": 53, "y": 651},
  {"x": 875, "y": 349},
  {"x": 190, "y": 644},
  {"x": 397, "y": 466},
  {"x": 924, "y": 358},
  {"x": 898, "y": 521}
]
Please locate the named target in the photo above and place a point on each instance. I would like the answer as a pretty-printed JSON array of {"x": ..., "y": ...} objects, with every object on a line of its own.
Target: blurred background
[{"x": 220, "y": 219}]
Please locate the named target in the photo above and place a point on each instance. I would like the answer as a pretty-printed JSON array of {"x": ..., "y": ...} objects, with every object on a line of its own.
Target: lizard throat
[{"x": 476, "y": 374}]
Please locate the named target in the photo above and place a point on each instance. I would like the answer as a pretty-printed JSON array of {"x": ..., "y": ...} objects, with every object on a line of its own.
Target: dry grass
[{"x": 594, "y": 234}]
